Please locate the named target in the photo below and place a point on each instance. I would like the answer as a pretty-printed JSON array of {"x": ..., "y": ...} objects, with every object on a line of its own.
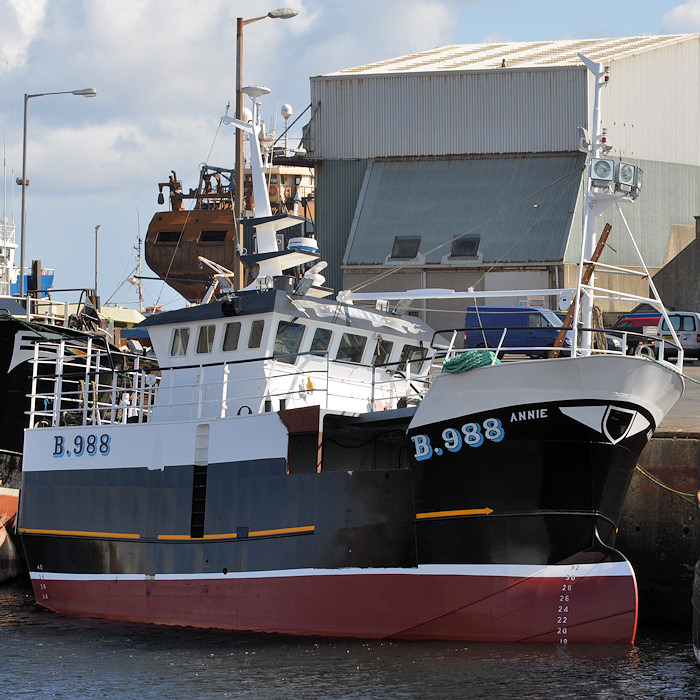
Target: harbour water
[{"x": 49, "y": 655}]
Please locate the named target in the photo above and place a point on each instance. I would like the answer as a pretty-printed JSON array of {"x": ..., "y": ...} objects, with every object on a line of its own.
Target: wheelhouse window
[
  {"x": 181, "y": 337},
  {"x": 212, "y": 236},
  {"x": 168, "y": 236},
  {"x": 288, "y": 340},
  {"x": 413, "y": 355},
  {"x": 205, "y": 339},
  {"x": 231, "y": 335},
  {"x": 405, "y": 247},
  {"x": 382, "y": 351},
  {"x": 256, "y": 332},
  {"x": 321, "y": 340},
  {"x": 351, "y": 347}
]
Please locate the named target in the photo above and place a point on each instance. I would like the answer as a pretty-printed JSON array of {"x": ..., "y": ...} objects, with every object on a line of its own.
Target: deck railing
[
  {"x": 85, "y": 384},
  {"x": 81, "y": 382},
  {"x": 630, "y": 342}
]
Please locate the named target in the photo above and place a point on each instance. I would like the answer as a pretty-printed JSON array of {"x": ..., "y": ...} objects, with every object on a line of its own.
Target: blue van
[{"x": 527, "y": 327}]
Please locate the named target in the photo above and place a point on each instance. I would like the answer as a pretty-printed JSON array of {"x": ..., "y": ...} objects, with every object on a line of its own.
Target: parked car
[
  {"x": 528, "y": 327},
  {"x": 636, "y": 326},
  {"x": 687, "y": 327}
]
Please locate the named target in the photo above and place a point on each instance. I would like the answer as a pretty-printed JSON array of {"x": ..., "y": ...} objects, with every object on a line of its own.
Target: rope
[
  {"x": 690, "y": 497},
  {"x": 469, "y": 360},
  {"x": 672, "y": 368}
]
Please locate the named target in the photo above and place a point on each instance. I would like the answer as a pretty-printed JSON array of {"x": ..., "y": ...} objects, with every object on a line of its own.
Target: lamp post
[
  {"x": 85, "y": 92},
  {"x": 282, "y": 13}
]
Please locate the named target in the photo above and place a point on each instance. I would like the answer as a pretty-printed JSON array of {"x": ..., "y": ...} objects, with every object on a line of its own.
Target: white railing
[
  {"x": 78, "y": 384},
  {"x": 644, "y": 344}
]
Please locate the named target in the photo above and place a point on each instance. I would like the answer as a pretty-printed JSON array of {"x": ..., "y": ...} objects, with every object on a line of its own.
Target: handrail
[
  {"x": 654, "y": 342},
  {"x": 70, "y": 389}
]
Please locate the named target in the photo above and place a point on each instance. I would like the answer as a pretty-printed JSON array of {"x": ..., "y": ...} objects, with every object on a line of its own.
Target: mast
[
  {"x": 271, "y": 261},
  {"x": 594, "y": 203}
]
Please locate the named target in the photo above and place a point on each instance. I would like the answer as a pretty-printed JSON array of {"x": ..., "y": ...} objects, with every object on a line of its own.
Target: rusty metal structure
[{"x": 202, "y": 222}]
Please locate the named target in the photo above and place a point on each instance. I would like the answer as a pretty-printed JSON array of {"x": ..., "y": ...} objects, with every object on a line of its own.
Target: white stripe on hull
[{"x": 621, "y": 568}]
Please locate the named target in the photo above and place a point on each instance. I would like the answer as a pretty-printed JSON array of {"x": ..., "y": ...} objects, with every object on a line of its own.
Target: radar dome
[{"x": 286, "y": 111}]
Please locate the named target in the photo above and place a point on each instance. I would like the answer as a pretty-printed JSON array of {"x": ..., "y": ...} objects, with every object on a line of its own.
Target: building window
[
  {"x": 205, "y": 339},
  {"x": 256, "y": 331},
  {"x": 405, "y": 247},
  {"x": 181, "y": 337},
  {"x": 288, "y": 341},
  {"x": 321, "y": 340},
  {"x": 465, "y": 247},
  {"x": 231, "y": 335},
  {"x": 382, "y": 351},
  {"x": 351, "y": 347}
]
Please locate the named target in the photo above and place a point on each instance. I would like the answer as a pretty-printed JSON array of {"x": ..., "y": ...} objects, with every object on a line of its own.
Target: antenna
[
  {"x": 138, "y": 259},
  {"x": 97, "y": 228}
]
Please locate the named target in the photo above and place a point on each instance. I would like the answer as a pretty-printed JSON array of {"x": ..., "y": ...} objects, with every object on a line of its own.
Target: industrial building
[{"x": 461, "y": 166}]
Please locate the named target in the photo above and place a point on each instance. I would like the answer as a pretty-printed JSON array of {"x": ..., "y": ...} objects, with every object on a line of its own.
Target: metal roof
[
  {"x": 520, "y": 207},
  {"x": 526, "y": 54}
]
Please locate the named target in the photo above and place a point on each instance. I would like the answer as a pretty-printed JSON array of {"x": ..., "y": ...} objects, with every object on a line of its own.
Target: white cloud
[
  {"x": 21, "y": 21},
  {"x": 683, "y": 18},
  {"x": 418, "y": 25}
]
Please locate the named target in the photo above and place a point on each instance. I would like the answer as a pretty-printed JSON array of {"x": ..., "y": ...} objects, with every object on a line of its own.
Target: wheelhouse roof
[{"x": 298, "y": 307}]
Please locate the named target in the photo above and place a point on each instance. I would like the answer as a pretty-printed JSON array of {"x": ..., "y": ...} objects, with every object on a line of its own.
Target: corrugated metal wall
[
  {"x": 651, "y": 110},
  {"x": 651, "y": 106},
  {"x": 338, "y": 185},
  {"x": 503, "y": 111},
  {"x": 670, "y": 195}
]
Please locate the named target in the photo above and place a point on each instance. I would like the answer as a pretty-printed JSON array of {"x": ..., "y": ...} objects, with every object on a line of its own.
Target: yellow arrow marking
[
  {"x": 80, "y": 533},
  {"x": 452, "y": 513}
]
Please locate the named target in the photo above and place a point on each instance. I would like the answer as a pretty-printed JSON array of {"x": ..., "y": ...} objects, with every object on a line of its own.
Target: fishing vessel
[
  {"x": 314, "y": 466},
  {"x": 38, "y": 278},
  {"x": 23, "y": 321},
  {"x": 201, "y": 222},
  {"x": 15, "y": 315}
]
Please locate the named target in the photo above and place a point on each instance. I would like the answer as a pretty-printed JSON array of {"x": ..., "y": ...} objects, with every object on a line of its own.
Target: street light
[
  {"x": 85, "y": 92},
  {"x": 281, "y": 13}
]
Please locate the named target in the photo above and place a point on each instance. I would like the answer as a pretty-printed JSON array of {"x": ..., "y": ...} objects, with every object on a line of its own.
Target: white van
[{"x": 687, "y": 327}]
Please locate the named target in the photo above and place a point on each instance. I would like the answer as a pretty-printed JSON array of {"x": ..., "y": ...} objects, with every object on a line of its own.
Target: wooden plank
[{"x": 585, "y": 279}]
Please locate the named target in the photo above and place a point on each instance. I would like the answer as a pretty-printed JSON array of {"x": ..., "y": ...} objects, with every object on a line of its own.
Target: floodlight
[{"x": 602, "y": 172}]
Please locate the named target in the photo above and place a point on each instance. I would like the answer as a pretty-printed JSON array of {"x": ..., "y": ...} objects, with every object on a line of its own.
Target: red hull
[
  {"x": 600, "y": 608},
  {"x": 10, "y": 558},
  {"x": 9, "y": 499}
]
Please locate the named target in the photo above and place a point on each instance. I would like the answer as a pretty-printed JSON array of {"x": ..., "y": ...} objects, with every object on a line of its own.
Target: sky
[{"x": 164, "y": 71}]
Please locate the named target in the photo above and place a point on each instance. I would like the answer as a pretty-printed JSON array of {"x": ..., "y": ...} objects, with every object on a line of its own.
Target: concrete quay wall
[{"x": 659, "y": 529}]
